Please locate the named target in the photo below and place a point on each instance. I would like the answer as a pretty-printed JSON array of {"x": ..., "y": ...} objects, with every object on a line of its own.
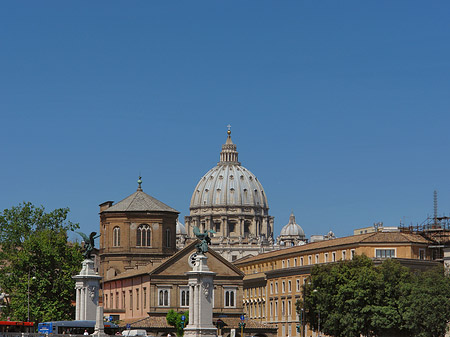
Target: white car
[{"x": 135, "y": 333}]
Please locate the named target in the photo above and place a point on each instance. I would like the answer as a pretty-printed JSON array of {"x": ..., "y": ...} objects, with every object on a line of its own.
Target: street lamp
[
  {"x": 301, "y": 324},
  {"x": 318, "y": 328},
  {"x": 318, "y": 324},
  {"x": 33, "y": 278}
]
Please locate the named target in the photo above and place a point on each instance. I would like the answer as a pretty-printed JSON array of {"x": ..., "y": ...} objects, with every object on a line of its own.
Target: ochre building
[{"x": 273, "y": 281}]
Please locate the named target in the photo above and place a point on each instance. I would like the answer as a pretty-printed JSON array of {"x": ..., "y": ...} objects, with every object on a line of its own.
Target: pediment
[{"x": 178, "y": 264}]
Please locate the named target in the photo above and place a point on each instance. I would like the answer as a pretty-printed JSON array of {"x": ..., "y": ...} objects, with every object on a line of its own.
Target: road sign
[
  {"x": 183, "y": 318},
  {"x": 128, "y": 326},
  {"x": 242, "y": 317}
]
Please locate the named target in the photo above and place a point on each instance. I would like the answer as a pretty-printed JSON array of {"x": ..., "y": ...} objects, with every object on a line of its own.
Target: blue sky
[{"x": 340, "y": 108}]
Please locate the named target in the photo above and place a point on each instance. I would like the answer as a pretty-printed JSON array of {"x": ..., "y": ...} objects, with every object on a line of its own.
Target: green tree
[
  {"x": 341, "y": 294},
  {"x": 173, "y": 318},
  {"x": 394, "y": 285},
  {"x": 37, "y": 263},
  {"x": 356, "y": 298},
  {"x": 426, "y": 310}
]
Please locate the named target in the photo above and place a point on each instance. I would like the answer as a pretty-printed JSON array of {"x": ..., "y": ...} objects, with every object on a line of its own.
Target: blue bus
[{"x": 75, "y": 327}]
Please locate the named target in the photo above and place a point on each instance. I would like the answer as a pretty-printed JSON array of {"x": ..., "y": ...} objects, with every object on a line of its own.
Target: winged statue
[
  {"x": 88, "y": 243},
  {"x": 205, "y": 240}
]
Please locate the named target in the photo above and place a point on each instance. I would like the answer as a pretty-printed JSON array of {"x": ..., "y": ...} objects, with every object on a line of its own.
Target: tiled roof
[
  {"x": 396, "y": 237},
  {"x": 140, "y": 201},
  {"x": 377, "y": 237},
  {"x": 152, "y": 321},
  {"x": 160, "y": 322}
]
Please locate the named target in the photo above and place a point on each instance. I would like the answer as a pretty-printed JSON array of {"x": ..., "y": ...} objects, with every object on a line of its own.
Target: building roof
[
  {"x": 140, "y": 201},
  {"x": 369, "y": 238},
  {"x": 161, "y": 322}
]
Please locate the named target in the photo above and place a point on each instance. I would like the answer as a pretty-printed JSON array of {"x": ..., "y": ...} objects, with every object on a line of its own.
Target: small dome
[
  {"x": 181, "y": 230},
  {"x": 292, "y": 229}
]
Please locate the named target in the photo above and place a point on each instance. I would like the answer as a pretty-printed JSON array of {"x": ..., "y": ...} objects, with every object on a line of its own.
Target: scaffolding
[{"x": 437, "y": 230}]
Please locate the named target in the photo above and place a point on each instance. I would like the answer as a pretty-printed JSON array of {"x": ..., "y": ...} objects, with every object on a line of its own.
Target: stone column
[
  {"x": 87, "y": 285},
  {"x": 200, "y": 309},
  {"x": 77, "y": 300}
]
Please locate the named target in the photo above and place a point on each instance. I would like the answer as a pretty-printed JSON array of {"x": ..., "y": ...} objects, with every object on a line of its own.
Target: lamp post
[
  {"x": 318, "y": 328},
  {"x": 28, "y": 294},
  {"x": 301, "y": 324},
  {"x": 318, "y": 325}
]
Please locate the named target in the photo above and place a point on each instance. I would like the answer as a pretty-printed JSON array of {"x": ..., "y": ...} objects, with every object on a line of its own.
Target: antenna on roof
[{"x": 435, "y": 199}]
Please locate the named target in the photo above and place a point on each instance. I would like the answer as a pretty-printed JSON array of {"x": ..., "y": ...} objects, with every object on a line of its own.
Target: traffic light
[{"x": 298, "y": 327}]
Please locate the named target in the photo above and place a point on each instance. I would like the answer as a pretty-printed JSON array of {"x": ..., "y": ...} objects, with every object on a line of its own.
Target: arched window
[
  {"x": 163, "y": 297},
  {"x": 168, "y": 237},
  {"x": 229, "y": 297},
  {"x": 116, "y": 236},
  {"x": 184, "y": 300},
  {"x": 143, "y": 236}
]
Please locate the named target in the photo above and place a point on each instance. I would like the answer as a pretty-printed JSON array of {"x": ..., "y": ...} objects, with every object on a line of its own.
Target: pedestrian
[{"x": 86, "y": 332}]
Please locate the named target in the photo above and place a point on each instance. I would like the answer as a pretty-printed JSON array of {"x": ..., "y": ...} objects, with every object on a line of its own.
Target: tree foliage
[
  {"x": 173, "y": 318},
  {"x": 37, "y": 263},
  {"x": 355, "y": 298}
]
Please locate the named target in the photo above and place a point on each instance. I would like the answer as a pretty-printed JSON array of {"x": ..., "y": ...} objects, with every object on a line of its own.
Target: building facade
[
  {"x": 142, "y": 297},
  {"x": 230, "y": 200},
  {"x": 274, "y": 281},
  {"x": 145, "y": 253}
]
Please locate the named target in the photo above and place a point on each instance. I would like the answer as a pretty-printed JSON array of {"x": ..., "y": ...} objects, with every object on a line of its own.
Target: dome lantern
[{"x": 229, "y": 154}]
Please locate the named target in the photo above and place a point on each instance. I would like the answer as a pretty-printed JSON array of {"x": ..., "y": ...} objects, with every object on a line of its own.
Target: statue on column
[
  {"x": 88, "y": 243},
  {"x": 205, "y": 240},
  {"x": 87, "y": 282}
]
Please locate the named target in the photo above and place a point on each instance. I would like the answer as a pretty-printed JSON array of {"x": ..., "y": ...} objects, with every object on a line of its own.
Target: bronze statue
[
  {"x": 205, "y": 240},
  {"x": 88, "y": 243}
]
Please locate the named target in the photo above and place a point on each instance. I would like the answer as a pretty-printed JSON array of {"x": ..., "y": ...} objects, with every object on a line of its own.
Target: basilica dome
[
  {"x": 229, "y": 184},
  {"x": 230, "y": 200}
]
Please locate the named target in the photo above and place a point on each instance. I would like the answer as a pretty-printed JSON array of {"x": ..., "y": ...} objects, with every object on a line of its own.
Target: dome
[
  {"x": 229, "y": 184},
  {"x": 292, "y": 229},
  {"x": 181, "y": 230}
]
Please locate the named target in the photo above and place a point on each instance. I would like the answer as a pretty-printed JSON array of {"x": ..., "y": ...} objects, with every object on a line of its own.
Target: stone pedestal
[
  {"x": 87, "y": 285},
  {"x": 99, "y": 330},
  {"x": 201, "y": 289}
]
